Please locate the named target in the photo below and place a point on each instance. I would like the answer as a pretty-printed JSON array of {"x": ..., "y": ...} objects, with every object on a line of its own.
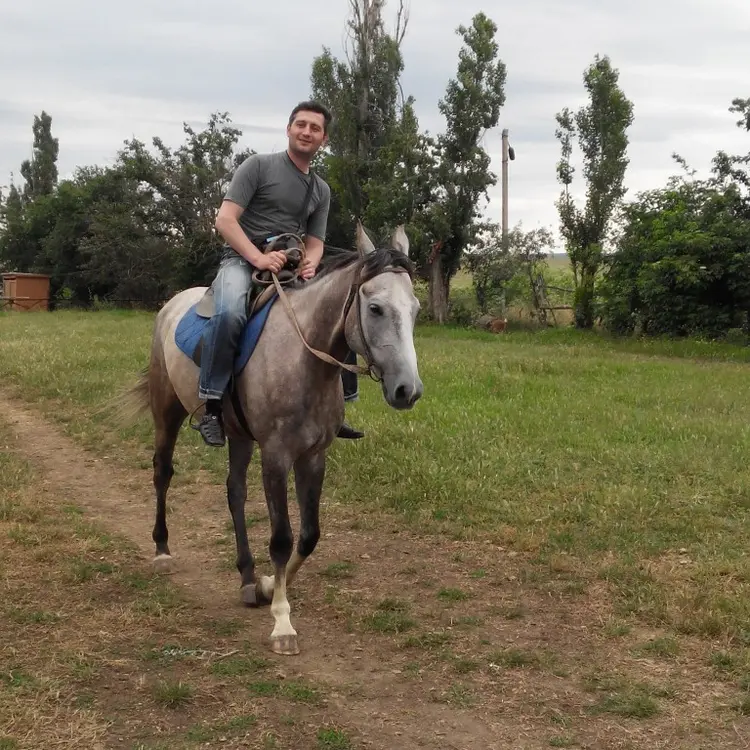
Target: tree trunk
[
  {"x": 438, "y": 291},
  {"x": 584, "y": 300}
]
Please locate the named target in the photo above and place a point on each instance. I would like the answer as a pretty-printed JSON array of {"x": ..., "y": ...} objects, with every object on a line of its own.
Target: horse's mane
[{"x": 372, "y": 264}]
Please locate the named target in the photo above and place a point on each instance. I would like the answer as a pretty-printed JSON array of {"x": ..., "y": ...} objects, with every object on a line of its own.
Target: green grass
[
  {"x": 620, "y": 453},
  {"x": 333, "y": 739},
  {"x": 622, "y": 697},
  {"x": 293, "y": 690},
  {"x": 173, "y": 694},
  {"x": 390, "y": 616},
  {"x": 515, "y": 658},
  {"x": 452, "y": 595},
  {"x": 235, "y": 666},
  {"x": 665, "y": 647},
  {"x": 338, "y": 570}
]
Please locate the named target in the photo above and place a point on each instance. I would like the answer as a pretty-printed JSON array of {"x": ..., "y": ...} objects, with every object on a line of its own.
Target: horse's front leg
[
  {"x": 309, "y": 473},
  {"x": 275, "y": 472}
]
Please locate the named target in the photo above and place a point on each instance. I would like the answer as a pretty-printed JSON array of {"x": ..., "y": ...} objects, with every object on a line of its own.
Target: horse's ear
[
  {"x": 399, "y": 240},
  {"x": 364, "y": 243}
]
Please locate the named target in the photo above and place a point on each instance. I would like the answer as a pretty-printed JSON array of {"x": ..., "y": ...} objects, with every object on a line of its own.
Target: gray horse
[{"x": 291, "y": 398}]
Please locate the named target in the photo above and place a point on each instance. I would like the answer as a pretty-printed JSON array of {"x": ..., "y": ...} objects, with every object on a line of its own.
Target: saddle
[{"x": 262, "y": 288}]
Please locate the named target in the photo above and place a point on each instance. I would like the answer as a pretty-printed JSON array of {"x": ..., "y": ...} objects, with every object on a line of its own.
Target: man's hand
[
  {"x": 313, "y": 256},
  {"x": 273, "y": 261},
  {"x": 307, "y": 268}
]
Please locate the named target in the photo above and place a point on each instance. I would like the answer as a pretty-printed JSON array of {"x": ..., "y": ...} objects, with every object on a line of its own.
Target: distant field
[{"x": 605, "y": 477}]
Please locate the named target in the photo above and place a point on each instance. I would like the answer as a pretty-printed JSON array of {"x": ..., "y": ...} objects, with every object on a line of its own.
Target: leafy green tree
[
  {"x": 492, "y": 266},
  {"x": 742, "y": 108},
  {"x": 185, "y": 187},
  {"x": 601, "y": 127},
  {"x": 16, "y": 253},
  {"x": 683, "y": 262},
  {"x": 401, "y": 187},
  {"x": 40, "y": 172},
  {"x": 123, "y": 255},
  {"x": 735, "y": 169},
  {"x": 363, "y": 92},
  {"x": 471, "y": 106}
]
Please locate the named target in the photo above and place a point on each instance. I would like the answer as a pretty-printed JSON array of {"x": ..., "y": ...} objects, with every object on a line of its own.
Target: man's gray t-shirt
[{"x": 272, "y": 190}]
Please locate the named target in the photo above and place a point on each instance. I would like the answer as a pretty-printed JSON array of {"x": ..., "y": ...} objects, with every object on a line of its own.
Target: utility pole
[
  {"x": 508, "y": 154},
  {"x": 505, "y": 188}
]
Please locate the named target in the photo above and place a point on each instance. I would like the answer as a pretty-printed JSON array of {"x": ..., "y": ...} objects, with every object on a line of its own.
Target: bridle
[{"x": 354, "y": 295}]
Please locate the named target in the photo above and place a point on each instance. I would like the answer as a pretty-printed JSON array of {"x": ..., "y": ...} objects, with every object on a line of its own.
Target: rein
[{"x": 353, "y": 295}]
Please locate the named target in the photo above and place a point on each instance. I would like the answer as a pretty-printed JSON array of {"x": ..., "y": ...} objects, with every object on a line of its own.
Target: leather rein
[{"x": 353, "y": 295}]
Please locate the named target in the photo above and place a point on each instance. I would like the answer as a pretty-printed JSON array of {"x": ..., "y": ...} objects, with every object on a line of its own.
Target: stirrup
[{"x": 211, "y": 429}]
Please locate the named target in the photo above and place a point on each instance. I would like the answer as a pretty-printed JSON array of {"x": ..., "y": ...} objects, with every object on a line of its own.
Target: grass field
[{"x": 603, "y": 476}]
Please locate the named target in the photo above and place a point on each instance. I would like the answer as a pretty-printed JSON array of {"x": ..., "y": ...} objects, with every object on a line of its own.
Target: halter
[{"x": 354, "y": 294}]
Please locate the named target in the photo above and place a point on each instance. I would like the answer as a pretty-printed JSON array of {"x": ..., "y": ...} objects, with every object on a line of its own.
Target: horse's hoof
[
  {"x": 286, "y": 645},
  {"x": 264, "y": 590},
  {"x": 249, "y": 596},
  {"x": 163, "y": 564}
]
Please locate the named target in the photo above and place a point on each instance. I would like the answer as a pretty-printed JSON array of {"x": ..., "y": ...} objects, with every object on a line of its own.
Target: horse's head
[{"x": 381, "y": 328}]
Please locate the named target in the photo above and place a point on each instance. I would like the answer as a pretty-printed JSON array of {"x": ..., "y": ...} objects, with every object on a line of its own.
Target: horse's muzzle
[{"x": 404, "y": 395}]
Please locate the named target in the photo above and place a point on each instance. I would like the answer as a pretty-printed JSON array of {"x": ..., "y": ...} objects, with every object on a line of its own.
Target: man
[{"x": 270, "y": 194}]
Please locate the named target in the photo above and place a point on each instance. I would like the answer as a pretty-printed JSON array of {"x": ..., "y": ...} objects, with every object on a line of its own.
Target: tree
[
  {"x": 734, "y": 169},
  {"x": 123, "y": 254},
  {"x": 682, "y": 266},
  {"x": 601, "y": 127},
  {"x": 402, "y": 185},
  {"x": 40, "y": 172},
  {"x": 185, "y": 187},
  {"x": 471, "y": 106},
  {"x": 363, "y": 93},
  {"x": 15, "y": 252},
  {"x": 492, "y": 266},
  {"x": 742, "y": 107}
]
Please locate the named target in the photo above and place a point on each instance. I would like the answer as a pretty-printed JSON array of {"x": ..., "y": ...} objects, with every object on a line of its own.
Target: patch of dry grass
[{"x": 96, "y": 650}]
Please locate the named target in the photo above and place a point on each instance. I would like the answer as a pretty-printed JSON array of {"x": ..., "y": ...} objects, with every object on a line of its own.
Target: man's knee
[{"x": 234, "y": 316}]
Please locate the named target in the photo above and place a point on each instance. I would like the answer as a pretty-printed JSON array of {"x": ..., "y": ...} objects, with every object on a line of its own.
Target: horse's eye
[{"x": 376, "y": 309}]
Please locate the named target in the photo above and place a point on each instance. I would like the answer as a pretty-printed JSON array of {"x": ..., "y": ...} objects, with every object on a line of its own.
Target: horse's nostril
[{"x": 401, "y": 393}]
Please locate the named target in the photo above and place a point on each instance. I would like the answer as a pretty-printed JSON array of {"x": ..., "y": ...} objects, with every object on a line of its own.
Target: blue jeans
[{"x": 222, "y": 333}]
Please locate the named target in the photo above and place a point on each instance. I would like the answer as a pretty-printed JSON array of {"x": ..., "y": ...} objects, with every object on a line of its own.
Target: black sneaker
[
  {"x": 211, "y": 429},
  {"x": 349, "y": 433}
]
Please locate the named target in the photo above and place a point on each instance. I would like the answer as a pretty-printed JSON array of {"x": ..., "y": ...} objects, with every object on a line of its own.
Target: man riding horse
[{"x": 269, "y": 195}]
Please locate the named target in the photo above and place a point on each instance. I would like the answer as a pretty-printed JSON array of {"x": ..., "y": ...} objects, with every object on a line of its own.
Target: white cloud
[{"x": 107, "y": 73}]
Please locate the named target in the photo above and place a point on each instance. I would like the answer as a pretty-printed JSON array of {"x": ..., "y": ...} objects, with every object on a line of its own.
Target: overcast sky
[{"x": 107, "y": 72}]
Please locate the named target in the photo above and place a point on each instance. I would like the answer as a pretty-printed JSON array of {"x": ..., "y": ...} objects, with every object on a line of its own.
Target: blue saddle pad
[{"x": 191, "y": 326}]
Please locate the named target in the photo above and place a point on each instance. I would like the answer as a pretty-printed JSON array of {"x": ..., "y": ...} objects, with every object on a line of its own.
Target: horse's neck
[{"x": 319, "y": 309}]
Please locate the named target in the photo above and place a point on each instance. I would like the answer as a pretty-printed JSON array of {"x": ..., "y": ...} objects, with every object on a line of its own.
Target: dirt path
[
  {"x": 468, "y": 603},
  {"x": 386, "y": 709}
]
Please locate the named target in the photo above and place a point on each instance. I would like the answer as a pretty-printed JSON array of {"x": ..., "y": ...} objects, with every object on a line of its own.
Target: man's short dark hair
[{"x": 312, "y": 106}]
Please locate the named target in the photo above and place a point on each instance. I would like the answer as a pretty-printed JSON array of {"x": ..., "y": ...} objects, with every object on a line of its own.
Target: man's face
[{"x": 306, "y": 134}]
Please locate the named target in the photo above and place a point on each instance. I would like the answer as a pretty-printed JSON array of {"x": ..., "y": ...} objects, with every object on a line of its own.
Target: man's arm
[
  {"x": 228, "y": 226},
  {"x": 316, "y": 232},
  {"x": 238, "y": 196}
]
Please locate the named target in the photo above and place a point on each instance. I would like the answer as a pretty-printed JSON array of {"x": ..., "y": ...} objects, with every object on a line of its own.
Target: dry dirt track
[{"x": 368, "y": 687}]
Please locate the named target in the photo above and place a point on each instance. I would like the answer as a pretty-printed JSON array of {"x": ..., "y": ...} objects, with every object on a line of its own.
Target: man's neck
[{"x": 299, "y": 161}]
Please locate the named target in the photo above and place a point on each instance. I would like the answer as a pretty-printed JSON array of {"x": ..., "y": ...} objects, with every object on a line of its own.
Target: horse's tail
[{"x": 127, "y": 406}]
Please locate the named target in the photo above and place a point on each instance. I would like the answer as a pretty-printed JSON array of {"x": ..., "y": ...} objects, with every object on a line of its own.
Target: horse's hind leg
[
  {"x": 169, "y": 415},
  {"x": 240, "y": 453}
]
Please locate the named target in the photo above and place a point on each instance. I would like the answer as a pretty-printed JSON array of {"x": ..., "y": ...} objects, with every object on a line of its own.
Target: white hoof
[{"x": 163, "y": 564}]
